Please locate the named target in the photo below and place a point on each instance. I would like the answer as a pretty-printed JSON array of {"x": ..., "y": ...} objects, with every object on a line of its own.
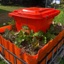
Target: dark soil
[{"x": 4, "y": 17}]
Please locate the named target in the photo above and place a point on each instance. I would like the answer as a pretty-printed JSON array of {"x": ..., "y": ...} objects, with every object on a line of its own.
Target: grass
[
  {"x": 5, "y": 10},
  {"x": 2, "y": 62},
  {"x": 62, "y": 61},
  {"x": 60, "y": 17},
  {"x": 8, "y": 8}
]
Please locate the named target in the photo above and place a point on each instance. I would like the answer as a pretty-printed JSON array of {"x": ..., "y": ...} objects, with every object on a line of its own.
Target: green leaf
[{"x": 25, "y": 27}]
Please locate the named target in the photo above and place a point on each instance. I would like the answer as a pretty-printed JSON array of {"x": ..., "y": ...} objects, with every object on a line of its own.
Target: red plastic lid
[{"x": 35, "y": 12}]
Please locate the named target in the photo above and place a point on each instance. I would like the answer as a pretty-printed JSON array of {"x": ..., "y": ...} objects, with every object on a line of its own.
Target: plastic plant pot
[
  {"x": 2, "y": 29},
  {"x": 35, "y": 18},
  {"x": 4, "y": 42},
  {"x": 31, "y": 59},
  {"x": 25, "y": 56},
  {"x": 0, "y": 43},
  {"x": 11, "y": 49}
]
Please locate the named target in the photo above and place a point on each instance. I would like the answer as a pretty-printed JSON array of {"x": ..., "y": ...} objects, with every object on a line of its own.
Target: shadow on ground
[{"x": 4, "y": 17}]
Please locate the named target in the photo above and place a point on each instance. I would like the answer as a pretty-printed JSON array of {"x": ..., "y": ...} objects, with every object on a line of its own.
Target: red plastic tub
[
  {"x": 3, "y": 28},
  {"x": 34, "y": 17}
]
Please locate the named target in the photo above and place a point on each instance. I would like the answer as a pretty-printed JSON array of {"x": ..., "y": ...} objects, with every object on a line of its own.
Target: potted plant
[{"x": 29, "y": 45}]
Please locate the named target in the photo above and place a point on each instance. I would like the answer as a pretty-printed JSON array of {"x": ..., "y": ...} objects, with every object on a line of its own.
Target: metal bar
[
  {"x": 57, "y": 48},
  {"x": 13, "y": 55},
  {"x": 2, "y": 57},
  {"x": 52, "y": 54},
  {"x": 56, "y": 54},
  {"x": 3, "y": 51},
  {"x": 60, "y": 57},
  {"x": 46, "y": 59},
  {"x": 50, "y": 51},
  {"x": 15, "y": 60},
  {"x": 23, "y": 60}
]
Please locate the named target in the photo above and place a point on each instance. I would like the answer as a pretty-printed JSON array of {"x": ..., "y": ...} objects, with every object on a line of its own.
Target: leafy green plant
[
  {"x": 62, "y": 61},
  {"x": 2, "y": 62},
  {"x": 32, "y": 41}
]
